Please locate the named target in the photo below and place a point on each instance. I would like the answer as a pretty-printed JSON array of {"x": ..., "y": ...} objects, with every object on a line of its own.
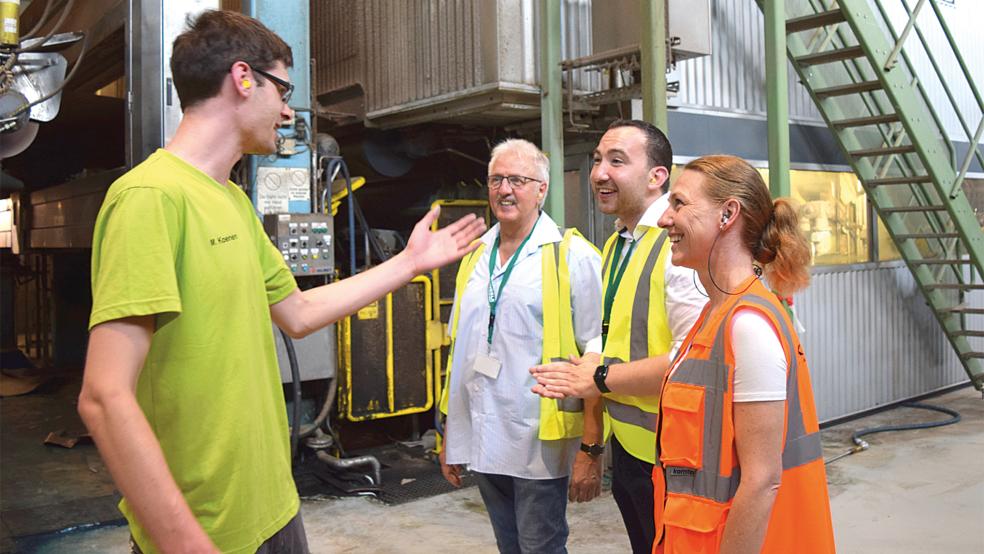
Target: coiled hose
[{"x": 861, "y": 444}]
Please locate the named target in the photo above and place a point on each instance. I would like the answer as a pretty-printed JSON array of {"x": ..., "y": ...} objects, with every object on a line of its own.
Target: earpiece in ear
[
  {"x": 247, "y": 83},
  {"x": 725, "y": 216}
]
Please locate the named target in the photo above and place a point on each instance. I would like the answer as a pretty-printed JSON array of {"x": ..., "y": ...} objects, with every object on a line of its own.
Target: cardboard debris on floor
[{"x": 66, "y": 440}]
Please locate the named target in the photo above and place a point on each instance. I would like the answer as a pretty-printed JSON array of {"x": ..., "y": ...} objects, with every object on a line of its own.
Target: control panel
[{"x": 305, "y": 240}]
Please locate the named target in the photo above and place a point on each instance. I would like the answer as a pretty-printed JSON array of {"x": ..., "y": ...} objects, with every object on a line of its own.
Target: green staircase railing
[{"x": 856, "y": 62}]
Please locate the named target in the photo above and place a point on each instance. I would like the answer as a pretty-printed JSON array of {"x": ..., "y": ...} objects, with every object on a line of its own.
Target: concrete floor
[{"x": 912, "y": 492}]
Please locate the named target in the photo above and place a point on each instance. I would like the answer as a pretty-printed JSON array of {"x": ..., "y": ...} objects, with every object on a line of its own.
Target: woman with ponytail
[{"x": 740, "y": 466}]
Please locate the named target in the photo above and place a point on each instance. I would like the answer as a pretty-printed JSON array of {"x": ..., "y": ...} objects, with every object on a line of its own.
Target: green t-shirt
[{"x": 171, "y": 241}]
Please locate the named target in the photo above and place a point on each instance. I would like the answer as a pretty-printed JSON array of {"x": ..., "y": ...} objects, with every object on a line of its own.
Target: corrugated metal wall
[
  {"x": 336, "y": 38},
  {"x": 732, "y": 78},
  {"x": 406, "y": 51},
  {"x": 871, "y": 339},
  {"x": 420, "y": 49}
]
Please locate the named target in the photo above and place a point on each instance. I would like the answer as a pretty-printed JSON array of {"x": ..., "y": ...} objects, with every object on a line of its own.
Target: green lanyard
[
  {"x": 493, "y": 296},
  {"x": 614, "y": 278}
]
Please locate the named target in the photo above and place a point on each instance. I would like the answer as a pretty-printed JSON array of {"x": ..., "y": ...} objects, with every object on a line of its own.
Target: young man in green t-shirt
[{"x": 182, "y": 390}]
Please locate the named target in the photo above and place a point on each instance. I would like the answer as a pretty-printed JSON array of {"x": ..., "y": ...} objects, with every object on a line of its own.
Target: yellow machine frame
[
  {"x": 433, "y": 342},
  {"x": 438, "y": 301}
]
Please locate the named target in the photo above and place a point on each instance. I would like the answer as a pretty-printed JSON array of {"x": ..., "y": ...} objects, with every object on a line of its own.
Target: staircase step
[
  {"x": 968, "y": 355},
  {"x": 813, "y": 21},
  {"x": 853, "y": 88},
  {"x": 956, "y": 286},
  {"x": 867, "y": 120},
  {"x": 905, "y": 236},
  {"x": 902, "y": 209},
  {"x": 830, "y": 56},
  {"x": 903, "y": 149},
  {"x": 951, "y": 261},
  {"x": 899, "y": 180},
  {"x": 962, "y": 310},
  {"x": 968, "y": 333}
]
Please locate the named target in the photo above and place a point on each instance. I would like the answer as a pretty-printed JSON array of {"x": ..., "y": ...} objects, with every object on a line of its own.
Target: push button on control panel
[{"x": 304, "y": 240}]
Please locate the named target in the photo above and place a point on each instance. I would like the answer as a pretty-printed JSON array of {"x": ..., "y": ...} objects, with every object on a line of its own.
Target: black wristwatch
[
  {"x": 594, "y": 449},
  {"x": 601, "y": 373}
]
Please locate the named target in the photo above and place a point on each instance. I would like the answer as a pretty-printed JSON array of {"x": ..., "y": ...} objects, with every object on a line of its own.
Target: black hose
[
  {"x": 373, "y": 241},
  {"x": 295, "y": 375},
  {"x": 41, "y": 21},
  {"x": 351, "y": 214},
  {"x": 71, "y": 73},
  {"x": 954, "y": 418},
  {"x": 860, "y": 444},
  {"x": 355, "y": 213},
  {"x": 66, "y": 9}
]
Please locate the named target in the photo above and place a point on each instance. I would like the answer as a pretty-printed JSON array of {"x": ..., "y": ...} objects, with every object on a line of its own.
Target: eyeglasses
[
  {"x": 286, "y": 88},
  {"x": 515, "y": 181}
]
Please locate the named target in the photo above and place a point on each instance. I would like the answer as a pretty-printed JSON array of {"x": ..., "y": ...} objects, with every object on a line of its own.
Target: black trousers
[{"x": 632, "y": 487}]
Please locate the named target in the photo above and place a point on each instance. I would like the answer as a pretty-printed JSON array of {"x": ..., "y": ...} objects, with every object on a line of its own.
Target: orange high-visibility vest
[{"x": 697, "y": 473}]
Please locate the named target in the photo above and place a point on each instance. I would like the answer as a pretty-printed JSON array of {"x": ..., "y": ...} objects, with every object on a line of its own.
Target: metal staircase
[{"x": 855, "y": 58}]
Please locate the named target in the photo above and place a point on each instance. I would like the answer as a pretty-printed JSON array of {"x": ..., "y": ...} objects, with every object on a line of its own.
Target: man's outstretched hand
[{"x": 429, "y": 250}]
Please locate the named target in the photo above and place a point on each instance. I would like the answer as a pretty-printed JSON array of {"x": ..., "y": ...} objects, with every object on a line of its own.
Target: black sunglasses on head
[{"x": 286, "y": 87}]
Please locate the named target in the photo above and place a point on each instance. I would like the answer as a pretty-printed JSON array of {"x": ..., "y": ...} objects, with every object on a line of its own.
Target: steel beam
[
  {"x": 551, "y": 106},
  {"x": 653, "y": 62},
  {"x": 777, "y": 97}
]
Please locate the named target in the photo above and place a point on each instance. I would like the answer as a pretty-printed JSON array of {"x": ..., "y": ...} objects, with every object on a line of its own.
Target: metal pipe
[
  {"x": 308, "y": 430},
  {"x": 949, "y": 94},
  {"x": 552, "y": 106},
  {"x": 344, "y": 464},
  {"x": 966, "y": 163},
  {"x": 892, "y": 58},
  {"x": 956, "y": 53},
  {"x": 919, "y": 86},
  {"x": 653, "y": 61},
  {"x": 777, "y": 97}
]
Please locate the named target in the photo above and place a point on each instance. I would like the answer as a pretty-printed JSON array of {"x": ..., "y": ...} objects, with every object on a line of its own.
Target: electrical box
[
  {"x": 316, "y": 355},
  {"x": 305, "y": 240}
]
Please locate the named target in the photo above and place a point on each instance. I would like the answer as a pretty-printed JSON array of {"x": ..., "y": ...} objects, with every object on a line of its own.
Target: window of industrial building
[
  {"x": 887, "y": 250},
  {"x": 833, "y": 215}
]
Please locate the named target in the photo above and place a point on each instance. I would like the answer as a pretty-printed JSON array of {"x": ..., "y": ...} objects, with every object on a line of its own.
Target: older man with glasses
[{"x": 530, "y": 293}]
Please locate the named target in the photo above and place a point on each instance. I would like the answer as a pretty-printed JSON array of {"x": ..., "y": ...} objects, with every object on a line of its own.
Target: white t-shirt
[{"x": 760, "y": 361}]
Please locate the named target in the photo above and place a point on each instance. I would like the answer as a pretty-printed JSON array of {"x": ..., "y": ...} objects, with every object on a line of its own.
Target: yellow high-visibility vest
[
  {"x": 559, "y": 419},
  {"x": 638, "y": 328}
]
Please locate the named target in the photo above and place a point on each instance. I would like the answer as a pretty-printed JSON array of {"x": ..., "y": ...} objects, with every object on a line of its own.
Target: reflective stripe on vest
[
  {"x": 692, "y": 496},
  {"x": 633, "y": 418},
  {"x": 559, "y": 419},
  {"x": 799, "y": 447}
]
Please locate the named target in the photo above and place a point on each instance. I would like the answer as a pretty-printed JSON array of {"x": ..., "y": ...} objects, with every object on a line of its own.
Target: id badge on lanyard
[{"x": 485, "y": 363}]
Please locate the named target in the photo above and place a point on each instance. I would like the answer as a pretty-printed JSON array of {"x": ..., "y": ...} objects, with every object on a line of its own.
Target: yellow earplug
[{"x": 246, "y": 83}]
